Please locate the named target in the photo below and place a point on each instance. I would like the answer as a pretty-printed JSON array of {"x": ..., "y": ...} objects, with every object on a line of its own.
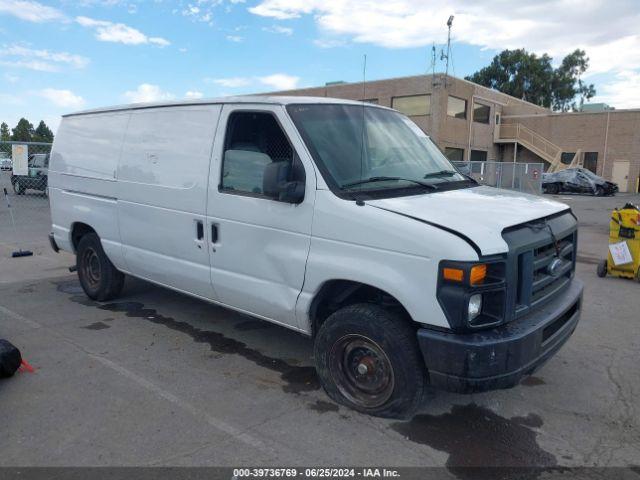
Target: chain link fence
[
  {"x": 25, "y": 218},
  {"x": 524, "y": 177}
]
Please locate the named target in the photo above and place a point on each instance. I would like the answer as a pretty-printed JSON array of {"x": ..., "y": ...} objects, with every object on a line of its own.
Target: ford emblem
[{"x": 554, "y": 267}]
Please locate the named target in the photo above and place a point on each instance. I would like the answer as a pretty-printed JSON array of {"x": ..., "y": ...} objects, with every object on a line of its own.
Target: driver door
[{"x": 258, "y": 244}]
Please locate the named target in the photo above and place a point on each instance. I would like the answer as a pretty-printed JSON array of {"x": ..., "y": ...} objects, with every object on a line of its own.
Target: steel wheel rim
[
  {"x": 91, "y": 268},
  {"x": 362, "y": 371}
]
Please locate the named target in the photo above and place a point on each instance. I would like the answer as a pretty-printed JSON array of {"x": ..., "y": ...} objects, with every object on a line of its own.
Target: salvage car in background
[
  {"x": 577, "y": 180},
  {"x": 37, "y": 177}
]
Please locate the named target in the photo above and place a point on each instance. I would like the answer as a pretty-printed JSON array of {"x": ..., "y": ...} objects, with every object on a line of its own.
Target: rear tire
[
  {"x": 602, "y": 269},
  {"x": 18, "y": 188},
  {"x": 99, "y": 279},
  {"x": 368, "y": 359}
]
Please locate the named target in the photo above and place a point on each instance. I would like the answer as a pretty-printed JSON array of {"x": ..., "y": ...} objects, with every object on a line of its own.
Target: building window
[
  {"x": 371, "y": 100},
  {"x": 481, "y": 113},
  {"x": 591, "y": 161},
  {"x": 567, "y": 157},
  {"x": 457, "y": 107},
  {"x": 413, "y": 105},
  {"x": 478, "y": 156},
  {"x": 454, "y": 154}
]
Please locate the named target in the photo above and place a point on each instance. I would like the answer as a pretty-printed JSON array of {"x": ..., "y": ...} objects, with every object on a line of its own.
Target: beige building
[{"x": 471, "y": 122}]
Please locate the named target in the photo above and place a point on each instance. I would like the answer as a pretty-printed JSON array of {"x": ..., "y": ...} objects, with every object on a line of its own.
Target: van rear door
[
  {"x": 162, "y": 194},
  {"x": 258, "y": 244}
]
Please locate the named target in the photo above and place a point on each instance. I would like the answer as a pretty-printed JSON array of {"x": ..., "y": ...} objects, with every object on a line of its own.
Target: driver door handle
[{"x": 214, "y": 233}]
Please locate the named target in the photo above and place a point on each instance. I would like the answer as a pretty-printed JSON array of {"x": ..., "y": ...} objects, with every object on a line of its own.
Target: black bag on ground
[{"x": 10, "y": 359}]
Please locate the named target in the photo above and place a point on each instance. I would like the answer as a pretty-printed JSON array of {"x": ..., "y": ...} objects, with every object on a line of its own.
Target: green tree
[
  {"x": 533, "y": 78},
  {"x": 23, "y": 132},
  {"x": 43, "y": 133},
  {"x": 5, "y": 136}
]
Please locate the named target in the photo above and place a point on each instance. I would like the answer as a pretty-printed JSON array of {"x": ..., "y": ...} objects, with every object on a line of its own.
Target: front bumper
[{"x": 500, "y": 357}]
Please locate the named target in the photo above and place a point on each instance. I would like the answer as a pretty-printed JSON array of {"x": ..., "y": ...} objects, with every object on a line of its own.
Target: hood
[{"x": 478, "y": 213}]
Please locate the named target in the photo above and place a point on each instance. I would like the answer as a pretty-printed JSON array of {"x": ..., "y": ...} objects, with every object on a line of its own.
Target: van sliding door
[{"x": 162, "y": 183}]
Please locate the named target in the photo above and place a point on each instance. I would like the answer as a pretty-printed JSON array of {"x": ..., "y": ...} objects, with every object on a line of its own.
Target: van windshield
[{"x": 360, "y": 148}]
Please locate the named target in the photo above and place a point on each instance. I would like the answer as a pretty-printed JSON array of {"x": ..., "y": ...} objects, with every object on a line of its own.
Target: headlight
[
  {"x": 475, "y": 306},
  {"x": 472, "y": 294}
]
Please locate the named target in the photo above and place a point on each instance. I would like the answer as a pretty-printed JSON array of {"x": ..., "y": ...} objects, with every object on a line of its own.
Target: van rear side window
[{"x": 253, "y": 140}]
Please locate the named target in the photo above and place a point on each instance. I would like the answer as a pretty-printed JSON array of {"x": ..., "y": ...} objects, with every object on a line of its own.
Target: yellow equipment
[{"x": 623, "y": 259}]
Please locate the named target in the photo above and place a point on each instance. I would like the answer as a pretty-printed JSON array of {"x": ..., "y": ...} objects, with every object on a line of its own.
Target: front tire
[
  {"x": 553, "y": 189},
  {"x": 602, "y": 269},
  {"x": 368, "y": 359},
  {"x": 99, "y": 279}
]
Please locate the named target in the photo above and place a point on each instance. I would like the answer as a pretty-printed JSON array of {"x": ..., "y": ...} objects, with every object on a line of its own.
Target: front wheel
[
  {"x": 552, "y": 189},
  {"x": 602, "y": 269},
  {"x": 99, "y": 278},
  {"x": 368, "y": 359}
]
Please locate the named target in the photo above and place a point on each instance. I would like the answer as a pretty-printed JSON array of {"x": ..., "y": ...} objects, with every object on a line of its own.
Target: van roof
[{"x": 262, "y": 99}]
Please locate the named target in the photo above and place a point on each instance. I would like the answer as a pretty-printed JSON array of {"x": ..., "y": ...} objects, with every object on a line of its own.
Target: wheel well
[
  {"x": 78, "y": 231},
  {"x": 336, "y": 294}
]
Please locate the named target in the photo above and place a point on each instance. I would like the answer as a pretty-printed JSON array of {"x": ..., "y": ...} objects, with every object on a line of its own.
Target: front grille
[
  {"x": 543, "y": 260},
  {"x": 543, "y": 283}
]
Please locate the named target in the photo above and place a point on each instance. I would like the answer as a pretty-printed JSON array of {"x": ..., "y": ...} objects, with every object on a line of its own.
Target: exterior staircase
[{"x": 551, "y": 153}]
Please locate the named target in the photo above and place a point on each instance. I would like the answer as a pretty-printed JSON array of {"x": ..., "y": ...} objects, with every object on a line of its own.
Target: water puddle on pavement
[
  {"x": 474, "y": 436},
  {"x": 297, "y": 378}
]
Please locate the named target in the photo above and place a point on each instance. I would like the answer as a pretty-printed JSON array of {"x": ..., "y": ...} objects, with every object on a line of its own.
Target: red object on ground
[{"x": 24, "y": 366}]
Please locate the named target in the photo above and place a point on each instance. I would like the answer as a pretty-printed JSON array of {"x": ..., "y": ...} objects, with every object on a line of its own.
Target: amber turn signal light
[
  {"x": 478, "y": 274},
  {"x": 453, "y": 274}
]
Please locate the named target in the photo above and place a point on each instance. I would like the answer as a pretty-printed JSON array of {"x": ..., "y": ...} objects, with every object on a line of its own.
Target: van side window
[{"x": 254, "y": 140}]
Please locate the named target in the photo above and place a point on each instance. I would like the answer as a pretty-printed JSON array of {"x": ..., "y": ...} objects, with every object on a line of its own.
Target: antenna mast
[{"x": 442, "y": 54}]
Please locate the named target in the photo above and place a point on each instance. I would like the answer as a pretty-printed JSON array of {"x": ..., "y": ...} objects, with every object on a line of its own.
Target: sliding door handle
[{"x": 199, "y": 230}]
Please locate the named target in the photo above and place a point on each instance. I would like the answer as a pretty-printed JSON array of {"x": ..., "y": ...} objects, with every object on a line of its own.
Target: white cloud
[
  {"x": 193, "y": 94},
  {"x": 328, "y": 42},
  {"x": 36, "y": 65},
  {"x": 30, "y": 11},
  {"x": 147, "y": 92},
  {"x": 231, "y": 82},
  {"x": 43, "y": 60},
  {"x": 280, "y": 81},
  {"x": 276, "y": 81},
  {"x": 62, "y": 98},
  {"x": 119, "y": 33},
  {"x": 623, "y": 91},
  {"x": 606, "y": 29},
  {"x": 278, "y": 29},
  {"x": 235, "y": 38},
  {"x": 11, "y": 78},
  {"x": 200, "y": 14}
]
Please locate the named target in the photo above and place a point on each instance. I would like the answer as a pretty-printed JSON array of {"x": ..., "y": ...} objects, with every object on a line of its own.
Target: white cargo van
[{"x": 338, "y": 219}]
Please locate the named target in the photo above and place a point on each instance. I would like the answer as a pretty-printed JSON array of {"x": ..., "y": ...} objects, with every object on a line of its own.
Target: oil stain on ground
[
  {"x": 96, "y": 326},
  {"x": 532, "y": 381},
  {"x": 474, "y": 436},
  {"x": 297, "y": 378},
  {"x": 321, "y": 406}
]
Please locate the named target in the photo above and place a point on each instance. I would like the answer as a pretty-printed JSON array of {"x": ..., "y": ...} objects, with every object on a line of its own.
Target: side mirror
[{"x": 276, "y": 185}]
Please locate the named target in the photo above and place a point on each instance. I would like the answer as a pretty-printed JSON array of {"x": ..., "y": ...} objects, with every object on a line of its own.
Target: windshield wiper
[
  {"x": 383, "y": 179},
  {"x": 441, "y": 173}
]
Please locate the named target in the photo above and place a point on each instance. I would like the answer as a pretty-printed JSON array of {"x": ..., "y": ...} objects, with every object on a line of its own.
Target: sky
[{"x": 62, "y": 56}]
